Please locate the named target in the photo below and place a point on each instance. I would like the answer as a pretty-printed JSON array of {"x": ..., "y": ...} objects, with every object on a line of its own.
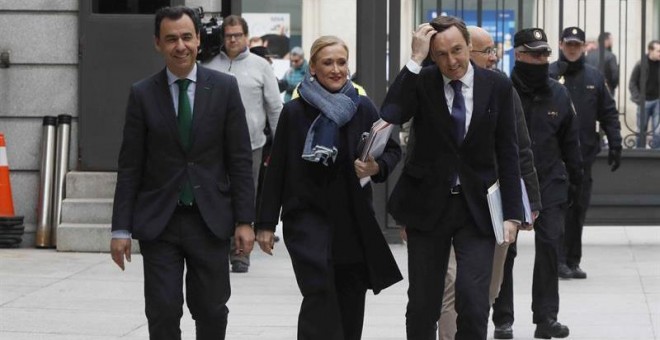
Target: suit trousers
[
  {"x": 447, "y": 322},
  {"x": 428, "y": 255},
  {"x": 256, "y": 165},
  {"x": 503, "y": 306},
  {"x": 338, "y": 312},
  {"x": 575, "y": 216},
  {"x": 545, "y": 285},
  {"x": 186, "y": 242}
]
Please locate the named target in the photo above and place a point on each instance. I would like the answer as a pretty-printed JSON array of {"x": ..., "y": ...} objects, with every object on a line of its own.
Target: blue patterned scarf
[{"x": 336, "y": 109}]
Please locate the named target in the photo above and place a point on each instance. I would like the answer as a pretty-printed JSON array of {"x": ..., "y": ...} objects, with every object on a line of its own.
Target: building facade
[{"x": 45, "y": 74}]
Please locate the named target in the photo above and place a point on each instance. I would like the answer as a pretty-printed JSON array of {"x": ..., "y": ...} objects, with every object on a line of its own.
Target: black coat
[
  {"x": 300, "y": 188},
  {"x": 593, "y": 103},
  {"x": 639, "y": 79},
  {"x": 553, "y": 129}
]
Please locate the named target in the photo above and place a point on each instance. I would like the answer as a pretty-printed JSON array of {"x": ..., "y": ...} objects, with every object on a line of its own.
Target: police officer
[
  {"x": 553, "y": 130},
  {"x": 593, "y": 103}
]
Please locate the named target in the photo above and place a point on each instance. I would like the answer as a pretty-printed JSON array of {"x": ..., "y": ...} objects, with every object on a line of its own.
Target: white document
[
  {"x": 374, "y": 143},
  {"x": 527, "y": 207},
  {"x": 494, "y": 198}
]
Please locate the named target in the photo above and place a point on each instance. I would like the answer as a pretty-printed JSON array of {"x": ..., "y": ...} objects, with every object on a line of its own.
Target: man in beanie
[
  {"x": 593, "y": 103},
  {"x": 553, "y": 129}
]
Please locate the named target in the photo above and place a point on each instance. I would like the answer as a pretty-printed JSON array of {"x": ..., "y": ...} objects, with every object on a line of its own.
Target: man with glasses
[
  {"x": 593, "y": 104},
  {"x": 553, "y": 129},
  {"x": 260, "y": 94}
]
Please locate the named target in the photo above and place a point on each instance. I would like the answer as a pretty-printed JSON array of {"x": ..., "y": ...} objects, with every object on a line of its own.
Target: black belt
[{"x": 456, "y": 190}]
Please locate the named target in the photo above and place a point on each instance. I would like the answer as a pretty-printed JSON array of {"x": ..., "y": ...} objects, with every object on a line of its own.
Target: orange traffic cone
[{"x": 6, "y": 201}]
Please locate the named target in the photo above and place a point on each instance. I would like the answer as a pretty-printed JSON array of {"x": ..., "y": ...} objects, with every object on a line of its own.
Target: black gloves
[
  {"x": 614, "y": 158},
  {"x": 574, "y": 192}
]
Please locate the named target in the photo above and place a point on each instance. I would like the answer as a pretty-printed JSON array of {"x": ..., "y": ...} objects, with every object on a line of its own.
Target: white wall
[{"x": 330, "y": 17}]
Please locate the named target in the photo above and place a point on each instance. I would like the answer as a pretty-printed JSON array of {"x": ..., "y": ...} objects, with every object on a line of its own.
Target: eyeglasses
[
  {"x": 489, "y": 51},
  {"x": 537, "y": 54},
  {"x": 234, "y": 35}
]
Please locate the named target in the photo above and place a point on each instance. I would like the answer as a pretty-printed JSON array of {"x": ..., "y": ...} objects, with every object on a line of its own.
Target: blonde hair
[{"x": 323, "y": 42}]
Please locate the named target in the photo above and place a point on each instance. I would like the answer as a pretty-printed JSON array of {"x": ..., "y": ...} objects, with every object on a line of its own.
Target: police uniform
[
  {"x": 553, "y": 130},
  {"x": 593, "y": 103}
]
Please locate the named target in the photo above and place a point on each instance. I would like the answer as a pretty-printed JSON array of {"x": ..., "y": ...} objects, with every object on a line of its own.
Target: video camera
[{"x": 210, "y": 34}]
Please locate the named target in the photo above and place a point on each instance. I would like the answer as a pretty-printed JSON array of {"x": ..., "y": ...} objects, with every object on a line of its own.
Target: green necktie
[{"x": 184, "y": 119}]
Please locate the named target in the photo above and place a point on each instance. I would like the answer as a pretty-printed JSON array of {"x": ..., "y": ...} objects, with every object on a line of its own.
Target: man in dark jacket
[
  {"x": 593, "y": 103},
  {"x": 609, "y": 67},
  {"x": 184, "y": 184},
  {"x": 645, "y": 91},
  {"x": 553, "y": 130}
]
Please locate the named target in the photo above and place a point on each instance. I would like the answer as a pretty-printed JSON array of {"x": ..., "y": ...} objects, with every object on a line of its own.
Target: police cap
[{"x": 532, "y": 39}]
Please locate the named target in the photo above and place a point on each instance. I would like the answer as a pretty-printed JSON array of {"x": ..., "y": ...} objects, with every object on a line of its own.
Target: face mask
[{"x": 532, "y": 76}]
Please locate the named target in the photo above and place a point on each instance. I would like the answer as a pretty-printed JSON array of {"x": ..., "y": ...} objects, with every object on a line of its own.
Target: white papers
[
  {"x": 373, "y": 144},
  {"x": 526, "y": 205},
  {"x": 494, "y": 198}
]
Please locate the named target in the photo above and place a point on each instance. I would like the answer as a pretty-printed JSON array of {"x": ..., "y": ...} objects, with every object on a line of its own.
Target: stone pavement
[{"x": 81, "y": 296}]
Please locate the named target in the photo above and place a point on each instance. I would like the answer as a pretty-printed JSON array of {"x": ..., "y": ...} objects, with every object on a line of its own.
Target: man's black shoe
[
  {"x": 565, "y": 272},
  {"x": 550, "y": 329},
  {"x": 239, "y": 267},
  {"x": 504, "y": 331},
  {"x": 578, "y": 273}
]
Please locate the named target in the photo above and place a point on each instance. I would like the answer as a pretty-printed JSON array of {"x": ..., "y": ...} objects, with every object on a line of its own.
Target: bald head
[{"x": 483, "y": 48}]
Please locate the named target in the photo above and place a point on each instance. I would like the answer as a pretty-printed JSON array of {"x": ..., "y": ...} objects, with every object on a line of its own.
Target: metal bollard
[
  {"x": 44, "y": 206},
  {"x": 61, "y": 167}
]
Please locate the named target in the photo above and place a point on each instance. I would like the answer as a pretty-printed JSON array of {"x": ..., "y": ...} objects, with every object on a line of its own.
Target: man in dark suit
[
  {"x": 184, "y": 184},
  {"x": 465, "y": 141}
]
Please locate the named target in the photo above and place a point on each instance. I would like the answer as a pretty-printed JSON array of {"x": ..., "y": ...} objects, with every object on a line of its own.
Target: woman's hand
[{"x": 366, "y": 169}]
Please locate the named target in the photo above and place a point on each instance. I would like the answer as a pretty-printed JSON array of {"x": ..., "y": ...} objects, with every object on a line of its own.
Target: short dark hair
[
  {"x": 175, "y": 13},
  {"x": 602, "y": 37},
  {"x": 651, "y": 43},
  {"x": 234, "y": 20},
  {"x": 445, "y": 22}
]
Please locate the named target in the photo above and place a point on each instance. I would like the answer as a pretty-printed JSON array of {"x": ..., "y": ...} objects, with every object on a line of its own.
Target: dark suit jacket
[
  {"x": 153, "y": 164},
  {"x": 488, "y": 152},
  {"x": 298, "y": 187}
]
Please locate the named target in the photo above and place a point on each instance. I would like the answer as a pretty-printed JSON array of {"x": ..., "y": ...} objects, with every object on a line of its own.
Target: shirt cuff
[
  {"x": 413, "y": 66},
  {"x": 121, "y": 234}
]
